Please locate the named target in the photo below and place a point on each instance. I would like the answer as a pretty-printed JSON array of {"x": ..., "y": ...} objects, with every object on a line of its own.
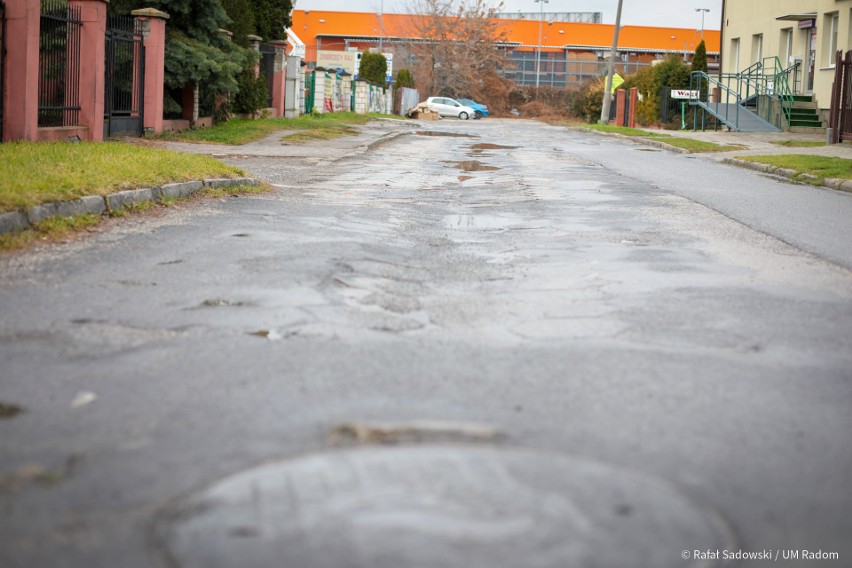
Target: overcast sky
[{"x": 668, "y": 13}]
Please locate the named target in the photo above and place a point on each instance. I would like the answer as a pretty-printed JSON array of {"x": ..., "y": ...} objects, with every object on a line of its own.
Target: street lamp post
[
  {"x": 703, "y": 11},
  {"x": 381, "y": 12},
  {"x": 541, "y": 4}
]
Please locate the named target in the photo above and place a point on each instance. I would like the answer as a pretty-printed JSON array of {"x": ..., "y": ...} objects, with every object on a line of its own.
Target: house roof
[{"x": 310, "y": 24}]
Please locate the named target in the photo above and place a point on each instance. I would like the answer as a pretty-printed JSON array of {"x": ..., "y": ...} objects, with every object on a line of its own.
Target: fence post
[
  {"x": 254, "y": 45},
  {"x": 154, "y": 40},
  {"x": 279, "y": 76},
  {"x": 93, "y": 14},
  {"x": 20, "y": 114},
  {"x": 634, "y": 101}
]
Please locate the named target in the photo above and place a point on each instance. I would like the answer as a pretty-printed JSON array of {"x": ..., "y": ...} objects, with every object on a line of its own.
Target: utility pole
[
  {"x": 541, "y": 4},
  {"x": 703, "y": 11},
  {"x": 607, "y": 96},
  {"x": 381, "y": 11}
]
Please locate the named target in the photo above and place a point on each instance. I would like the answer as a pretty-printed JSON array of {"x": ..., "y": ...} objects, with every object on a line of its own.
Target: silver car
[{"x": 450, "y": 107}]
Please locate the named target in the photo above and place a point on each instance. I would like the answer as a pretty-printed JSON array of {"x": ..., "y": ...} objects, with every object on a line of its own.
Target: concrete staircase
[{"x": 805, "y": 117}]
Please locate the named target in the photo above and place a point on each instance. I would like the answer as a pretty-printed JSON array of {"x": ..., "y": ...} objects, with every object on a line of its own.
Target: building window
[
  {"x": 757, "y": 48},
  {"x": 786, "y": 50},
  {"x": 832, "y": 22},
  {"x": 735, "y": 51}
]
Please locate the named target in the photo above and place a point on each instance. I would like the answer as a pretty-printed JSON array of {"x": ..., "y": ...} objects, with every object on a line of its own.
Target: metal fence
[
  {"x": 59, "y": 64},
  {"x": 2, "y": 65},
  {"x": 124, "y": 68},
  {"x": 840, "y": 120},
  {"x": 267, "y": 69},
  {"x": 555, "y": 70}
]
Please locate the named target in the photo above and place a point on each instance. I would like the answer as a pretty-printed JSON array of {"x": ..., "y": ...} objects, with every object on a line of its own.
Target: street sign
[{"x": 684, "y": 94}]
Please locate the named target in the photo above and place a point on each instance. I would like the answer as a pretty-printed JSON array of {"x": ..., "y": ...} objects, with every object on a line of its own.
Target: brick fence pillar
[
  {"x": 634, "y": 102},
  {"x": 278, "y": 76},
  {"x": 154, "y": 40},
  {"x": 93, "y": 14},
  {"x": 20, "y": 112},
  {"x": 620, "y": 106}
]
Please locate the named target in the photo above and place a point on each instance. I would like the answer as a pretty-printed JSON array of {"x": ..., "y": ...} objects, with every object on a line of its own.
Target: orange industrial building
[{"x": 571, "y": 52}]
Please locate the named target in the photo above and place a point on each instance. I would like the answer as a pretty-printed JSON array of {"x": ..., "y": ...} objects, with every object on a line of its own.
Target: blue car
[{"x": 480, "y": 110}]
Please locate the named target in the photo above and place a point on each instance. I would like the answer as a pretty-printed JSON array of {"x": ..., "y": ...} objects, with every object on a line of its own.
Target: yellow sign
[{"x": 617, "y": 80}]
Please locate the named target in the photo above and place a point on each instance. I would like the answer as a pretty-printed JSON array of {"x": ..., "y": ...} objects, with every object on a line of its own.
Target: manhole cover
[{"x": 441, "y": 506}]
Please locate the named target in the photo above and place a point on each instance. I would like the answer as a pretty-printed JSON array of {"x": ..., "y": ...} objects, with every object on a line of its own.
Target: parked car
[
  {"x": 450, "y": 107},
  {"x": 480, "y": 109}
]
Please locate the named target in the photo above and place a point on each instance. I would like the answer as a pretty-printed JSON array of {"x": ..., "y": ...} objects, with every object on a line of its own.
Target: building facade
[
  {"x": 549, "y": 52},
  {"x": 803, "y": 34}
]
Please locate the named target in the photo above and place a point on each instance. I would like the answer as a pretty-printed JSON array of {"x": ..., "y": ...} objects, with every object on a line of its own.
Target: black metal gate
[
  {"x": 2, "y": 65},
  {"x": 267, "y": 69},
  {"x": 59, "y": 64},
  {"x": 124, "y": 84}
]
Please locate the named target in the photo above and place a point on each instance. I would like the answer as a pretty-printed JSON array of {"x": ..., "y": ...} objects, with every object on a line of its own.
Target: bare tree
[{"x": 455, "y": 47}]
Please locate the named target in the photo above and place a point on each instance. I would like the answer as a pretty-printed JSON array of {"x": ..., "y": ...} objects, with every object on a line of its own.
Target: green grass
[
  {"x": 799, "y": 143},
  {"x": 621, "y": 130},
  {"x": 328, "y": 133},
  {"x": 236, "y": 132},
  {"x": 35, "y": 173},
  {"x": 49, "y": 230},
  {"x": 820, "y": 166},
  {"x": 693, "y": 145}
]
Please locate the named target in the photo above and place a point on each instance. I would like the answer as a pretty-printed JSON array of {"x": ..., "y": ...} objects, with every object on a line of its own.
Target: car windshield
[{"x": 466, "y": 102}]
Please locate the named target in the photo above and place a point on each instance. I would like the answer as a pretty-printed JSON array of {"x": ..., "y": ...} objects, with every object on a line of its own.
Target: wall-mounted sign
[
  {"x": 684, "y": 94},
  {"x": 346, "y": 60},
  {"x": 807, "y": 24}
]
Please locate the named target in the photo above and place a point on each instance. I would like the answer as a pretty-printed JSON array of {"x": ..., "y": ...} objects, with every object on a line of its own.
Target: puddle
[
  {"x": 491, "y": 147},
  {"x": 168, "y": 262},
  {"x": 473, "y": 166},
  {"x": 646, "y": 150},
  {"x": 465, "y": 178},
  {"x": 439, "y": 133},
  {"x": 9, "y": 410},
  {"x": 240, "y": 235}
]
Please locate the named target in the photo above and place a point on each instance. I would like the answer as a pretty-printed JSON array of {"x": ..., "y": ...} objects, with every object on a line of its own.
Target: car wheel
[
  {"x": 463, "y": 115},
  {"x": 478, "y": 114}
]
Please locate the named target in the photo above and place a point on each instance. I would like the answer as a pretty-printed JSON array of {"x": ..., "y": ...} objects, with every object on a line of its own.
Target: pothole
[
  {"x": 270, "y": 334},
  {"x": 444, "y": 505},
  {"x": 220, "y": 302},
  {"x": 9, "y": 410},
  {"x": 473, "y": 166},
  {"x": 465, "y": 178},
  {"x": 447, "y": 134},
  {"x": 412, "y": 432},
  {"x": 240, "y": 235},
  {"x": 487, "y": 146}
]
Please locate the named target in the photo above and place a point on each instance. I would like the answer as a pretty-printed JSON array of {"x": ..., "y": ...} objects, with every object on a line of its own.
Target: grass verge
[
  {"x": 821, "y": 167},
  {"x": 799, "y": 143},
  {"x": 237, "y": 131},
  {"x": 35, "y": 173},
  {"x": 689, "y": 144},
  {"x": 60, "y": 229}
]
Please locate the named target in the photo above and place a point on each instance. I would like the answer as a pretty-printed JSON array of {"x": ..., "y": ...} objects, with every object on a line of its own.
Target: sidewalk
[{"x": 764, "y": 143}]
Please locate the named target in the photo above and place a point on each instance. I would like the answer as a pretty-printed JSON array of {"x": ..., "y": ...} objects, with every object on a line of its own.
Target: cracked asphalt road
[{"x": 655, "y": 313}]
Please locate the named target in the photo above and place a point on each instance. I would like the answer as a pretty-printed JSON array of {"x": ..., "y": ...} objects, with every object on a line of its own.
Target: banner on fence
[{"x": 349, "y": 61}]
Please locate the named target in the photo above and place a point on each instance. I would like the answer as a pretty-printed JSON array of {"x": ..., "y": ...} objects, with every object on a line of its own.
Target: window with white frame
[
  {"x": 832, "y": 23},
  {"x": 756, "y": 48},
  {"x": 735, "y": 50},
  {"x": 786, "y": 50}
]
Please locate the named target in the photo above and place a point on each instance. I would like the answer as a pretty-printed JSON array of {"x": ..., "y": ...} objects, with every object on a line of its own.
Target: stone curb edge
[
  {"x": 13, "y": 221},
  {"x": 842, "y": 185}
]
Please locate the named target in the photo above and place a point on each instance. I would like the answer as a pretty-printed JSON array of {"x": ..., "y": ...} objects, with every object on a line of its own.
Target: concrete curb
[
  {"x": 842, "y": 185},
  {"x": 14, "y": 221},
  {"x": 364, "y": 148}
]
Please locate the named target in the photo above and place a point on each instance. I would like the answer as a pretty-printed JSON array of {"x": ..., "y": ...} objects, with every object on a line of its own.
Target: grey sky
[{"x": 669, "y": 13}]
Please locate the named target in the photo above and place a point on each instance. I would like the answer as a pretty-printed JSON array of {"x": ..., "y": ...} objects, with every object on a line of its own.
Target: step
[
  {"x": 803, "y": 104},
  {"x": 798, "y": 122},
  {"x": 803, "y": 98},
  {"x": 807, "y": 130},
  {"x": 804, "y": 114}
]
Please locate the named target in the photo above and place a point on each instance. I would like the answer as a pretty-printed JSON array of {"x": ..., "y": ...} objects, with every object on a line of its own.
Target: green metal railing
[{"x": 764, "y": 87}]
